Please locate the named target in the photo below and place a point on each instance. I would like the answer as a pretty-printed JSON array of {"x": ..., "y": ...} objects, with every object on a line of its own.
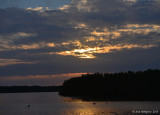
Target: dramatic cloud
[
  {"x": 88, "y": 52},
  {"x": 82, "y": 36}
]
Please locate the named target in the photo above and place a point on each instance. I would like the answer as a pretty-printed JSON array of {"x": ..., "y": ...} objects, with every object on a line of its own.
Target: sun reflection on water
[{"x": 80, "y": 107}]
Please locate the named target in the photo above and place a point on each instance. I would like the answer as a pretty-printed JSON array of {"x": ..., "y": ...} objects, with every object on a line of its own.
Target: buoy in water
[{"x": 28, "y": 106}]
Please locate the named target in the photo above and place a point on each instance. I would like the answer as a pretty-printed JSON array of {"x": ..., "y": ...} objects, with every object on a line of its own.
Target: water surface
[{"x": 53, "y": 104}]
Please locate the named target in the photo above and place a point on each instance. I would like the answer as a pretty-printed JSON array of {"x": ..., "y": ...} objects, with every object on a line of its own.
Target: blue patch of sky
[{"x": 51, "y": 4}]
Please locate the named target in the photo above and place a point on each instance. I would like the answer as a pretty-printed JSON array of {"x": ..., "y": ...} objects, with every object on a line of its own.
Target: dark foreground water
[{"x": 53, "y": 104}]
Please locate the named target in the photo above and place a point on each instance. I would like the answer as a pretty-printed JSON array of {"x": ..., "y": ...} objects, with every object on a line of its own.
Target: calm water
[{"x": 53, "y": 104}]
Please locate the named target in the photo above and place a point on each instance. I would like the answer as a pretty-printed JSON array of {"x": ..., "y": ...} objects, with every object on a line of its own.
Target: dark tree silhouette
[{"x": 115, "y": 86}]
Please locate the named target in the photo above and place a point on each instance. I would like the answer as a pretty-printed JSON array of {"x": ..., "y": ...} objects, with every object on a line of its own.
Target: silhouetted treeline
[
  {"x": 21, "y": 89},
  {"x": 115, "y": 86}
]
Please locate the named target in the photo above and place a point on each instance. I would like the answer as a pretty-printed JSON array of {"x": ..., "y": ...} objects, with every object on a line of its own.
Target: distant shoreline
[
  {"x": 29, "y": 89},
  {"x": 122, "y": 86}
]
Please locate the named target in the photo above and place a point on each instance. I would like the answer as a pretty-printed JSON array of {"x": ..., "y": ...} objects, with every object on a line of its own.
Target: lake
[{"x": 51, "y": 103}]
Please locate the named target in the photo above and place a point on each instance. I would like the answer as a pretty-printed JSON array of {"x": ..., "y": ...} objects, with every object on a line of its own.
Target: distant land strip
[{"x": 23, "y": 89}]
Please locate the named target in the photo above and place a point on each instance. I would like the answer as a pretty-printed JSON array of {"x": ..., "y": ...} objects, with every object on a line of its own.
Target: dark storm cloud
[
  {"x": 117, "y": 12},
  {"x": 136, "y": 60},
  {"x": 54, "y": 25},
  {"x": 127, "y": 35},
  {"x": 51, "y": 4}
]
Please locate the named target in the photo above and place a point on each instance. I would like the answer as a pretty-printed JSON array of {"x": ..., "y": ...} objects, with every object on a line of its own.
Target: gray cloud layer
[{"x": 117, "y": 35}]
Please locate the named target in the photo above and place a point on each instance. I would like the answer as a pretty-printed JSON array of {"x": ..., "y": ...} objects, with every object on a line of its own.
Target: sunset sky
[{"x": 44, "y": 42}]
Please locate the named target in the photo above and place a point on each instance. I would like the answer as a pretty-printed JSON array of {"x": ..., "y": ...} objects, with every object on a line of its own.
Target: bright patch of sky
[{"x": 51, "y": 4}]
